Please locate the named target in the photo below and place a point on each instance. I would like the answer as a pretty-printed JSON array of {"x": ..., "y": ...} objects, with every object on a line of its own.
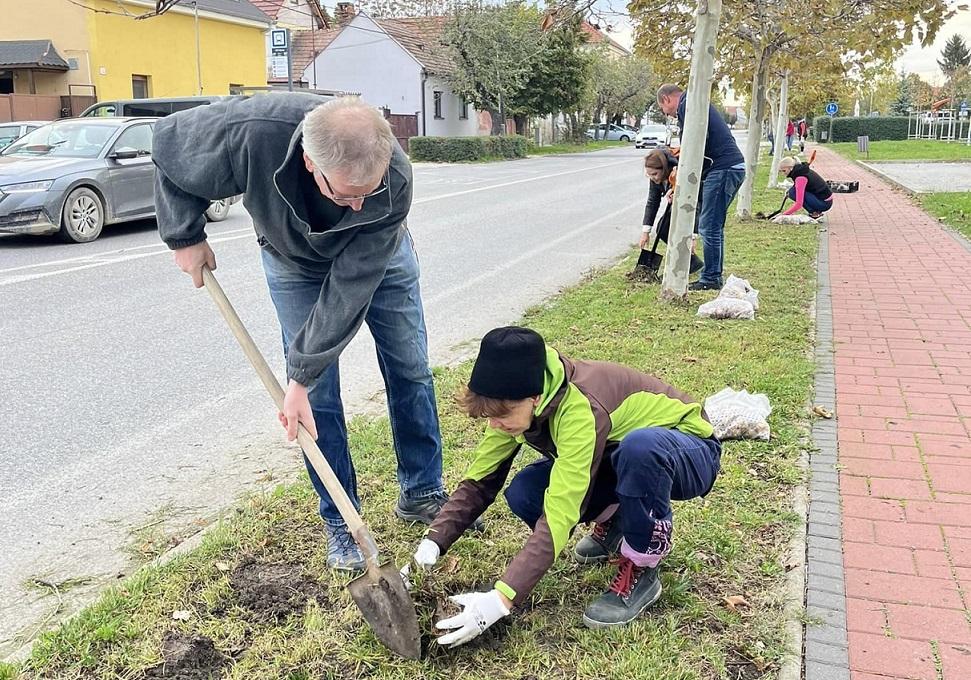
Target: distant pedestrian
[{"x": 790, "y": 133}]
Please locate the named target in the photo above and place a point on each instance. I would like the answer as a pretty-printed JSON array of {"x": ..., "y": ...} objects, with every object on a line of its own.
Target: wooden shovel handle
[{"x": 355, "y": 524}]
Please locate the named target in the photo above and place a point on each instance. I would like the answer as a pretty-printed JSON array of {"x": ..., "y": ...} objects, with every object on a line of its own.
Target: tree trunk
[
  {"x": 496, "y": 122},
  {"x": 674, "y": 286},
  {"x": 780, "y": 130},
  {"x": 756, "y": 114},
  {"x": 522, "y": 124}
]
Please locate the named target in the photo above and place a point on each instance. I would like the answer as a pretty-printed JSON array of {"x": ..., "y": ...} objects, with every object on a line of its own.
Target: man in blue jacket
[
  {"x": 329, "y": 191},
  {"x": 718, "y": 187}
]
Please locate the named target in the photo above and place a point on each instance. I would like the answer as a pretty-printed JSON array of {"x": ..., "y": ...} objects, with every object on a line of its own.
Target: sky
[
  {"x": 915, "y": 59},
  {"x": 923, "y": 60}
]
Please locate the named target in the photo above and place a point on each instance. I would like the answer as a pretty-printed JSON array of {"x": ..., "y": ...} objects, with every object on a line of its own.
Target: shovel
[
  {"x": 380, "y": 592},
  {"x": 651, "y": 259}
]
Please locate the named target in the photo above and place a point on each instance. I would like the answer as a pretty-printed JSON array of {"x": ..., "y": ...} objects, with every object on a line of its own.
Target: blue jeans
[
  {"x": 717, "y": 192},
  {"x": 650, "y": 468},
  {"x": 397, "y": 323},
  {"x": 811, "y": 202}
]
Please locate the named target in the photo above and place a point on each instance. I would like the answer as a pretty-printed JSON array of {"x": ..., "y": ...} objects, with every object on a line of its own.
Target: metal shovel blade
[{"x": 384, "y": 602}]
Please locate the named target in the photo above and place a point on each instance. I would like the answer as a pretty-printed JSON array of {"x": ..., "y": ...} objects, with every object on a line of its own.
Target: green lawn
[
  {"x": 575, "y": 148},
  {"x": 954, "y": 209},
  {"x": 735, "y": 542},
  {"x": 910, "y": 149}
]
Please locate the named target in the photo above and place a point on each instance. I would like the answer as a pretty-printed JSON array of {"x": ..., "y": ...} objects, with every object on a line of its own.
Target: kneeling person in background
[
  {"x": 617, "y": 446},
  {"x": 808, "y": 189}
]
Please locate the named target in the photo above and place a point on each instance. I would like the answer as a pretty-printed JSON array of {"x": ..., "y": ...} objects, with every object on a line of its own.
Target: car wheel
[
  {"x": 83, "y": 216},
  {"x": 624, "y": 138},
  {"x": 218, "y": 210}
]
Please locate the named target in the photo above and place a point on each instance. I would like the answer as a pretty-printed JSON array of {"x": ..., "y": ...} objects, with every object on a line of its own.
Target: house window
[
  {"x": 139, "y": 87},
  {"x": 234, "y": 88},
  {"x": 6, "y": 82},
  {"x": 438, "y": 105},
  {"x": 463, "y": 108}
]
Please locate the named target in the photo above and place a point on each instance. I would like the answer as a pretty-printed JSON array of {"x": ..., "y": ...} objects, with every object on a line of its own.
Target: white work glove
[
  {"x": 480, "y": 610},
  {"x": 427, "y": 554}
]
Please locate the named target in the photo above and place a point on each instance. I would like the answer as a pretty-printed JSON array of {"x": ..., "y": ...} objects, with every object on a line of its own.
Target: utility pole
[
  {"x": 780, "y": 130},
  {"x": 674, "y": 286},
  {"x": 198, "y": 53}
]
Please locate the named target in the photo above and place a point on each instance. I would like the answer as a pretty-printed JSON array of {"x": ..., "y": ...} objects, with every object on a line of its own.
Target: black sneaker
[
  {"x": 426, "y": 509},
  {"x": 633, "y": 590},
  {"x": 600, "y": 544},
  {"x": 703, "y": 285}
]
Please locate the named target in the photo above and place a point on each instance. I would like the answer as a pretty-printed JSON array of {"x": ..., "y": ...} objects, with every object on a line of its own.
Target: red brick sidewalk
[{"x": 901, "y": 291}]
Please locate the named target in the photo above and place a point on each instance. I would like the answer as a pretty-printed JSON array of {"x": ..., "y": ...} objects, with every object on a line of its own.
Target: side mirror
[{"x": 123, "y": 154}]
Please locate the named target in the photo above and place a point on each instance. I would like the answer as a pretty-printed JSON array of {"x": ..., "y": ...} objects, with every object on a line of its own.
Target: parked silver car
[
  {"x": 74, "y": 176},
  {"x": 11, "y": 132},
  {"x": 611, "y": 133}
]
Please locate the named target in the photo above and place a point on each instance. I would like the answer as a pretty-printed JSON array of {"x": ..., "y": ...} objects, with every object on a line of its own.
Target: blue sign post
[{"x": 831, "y": 109}]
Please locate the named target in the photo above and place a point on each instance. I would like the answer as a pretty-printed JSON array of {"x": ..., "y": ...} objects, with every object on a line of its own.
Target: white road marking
[{"x": 525, "y": 256}]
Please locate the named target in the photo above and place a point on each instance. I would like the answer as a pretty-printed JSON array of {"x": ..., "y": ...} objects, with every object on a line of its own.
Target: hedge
[
  {"x": 821, "y": 124},
  {"x": 457, "y": 149},
  {"x": 877, "y": 127}
]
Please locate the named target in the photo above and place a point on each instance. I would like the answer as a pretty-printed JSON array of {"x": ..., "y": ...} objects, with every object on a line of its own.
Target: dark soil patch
[
  {"x": 272, "y": 592},
  {"x": 188, "y": 657},
  {"x": 741, "y": 667}
]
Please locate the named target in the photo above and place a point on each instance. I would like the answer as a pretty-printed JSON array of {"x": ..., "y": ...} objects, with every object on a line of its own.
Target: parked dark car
[
  {"x": 74, "y": 176},
  {"x": 156, "y": 107}
]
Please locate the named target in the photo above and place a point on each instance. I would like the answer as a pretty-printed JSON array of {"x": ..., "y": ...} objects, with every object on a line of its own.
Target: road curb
[{"x": 826, "y": 651}]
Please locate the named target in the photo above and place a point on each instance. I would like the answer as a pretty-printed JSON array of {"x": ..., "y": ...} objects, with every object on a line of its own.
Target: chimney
[{"x": 345, "y": 12}]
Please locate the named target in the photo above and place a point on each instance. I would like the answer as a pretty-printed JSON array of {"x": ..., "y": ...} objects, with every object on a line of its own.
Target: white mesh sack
[
  {"x": 727, "y": 308},
  {"x": 739, "y": 415}
]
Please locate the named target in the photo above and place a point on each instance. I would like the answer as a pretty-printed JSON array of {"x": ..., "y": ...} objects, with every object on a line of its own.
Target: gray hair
[
  {"x": 349, "y": 136},
  {"x": 667, "y": 90}
]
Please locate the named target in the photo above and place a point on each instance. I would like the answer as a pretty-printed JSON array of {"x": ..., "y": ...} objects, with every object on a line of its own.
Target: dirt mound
[
  {"x": 272, "y": 592},
  {"x": 188, "y": 657}
]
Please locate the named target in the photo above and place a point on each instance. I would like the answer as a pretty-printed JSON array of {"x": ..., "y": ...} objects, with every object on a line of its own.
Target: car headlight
[{"x": 27, "y": 187}]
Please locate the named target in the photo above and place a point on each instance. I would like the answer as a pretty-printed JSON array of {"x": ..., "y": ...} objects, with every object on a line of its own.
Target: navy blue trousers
[{"x": 650, "y": 468}]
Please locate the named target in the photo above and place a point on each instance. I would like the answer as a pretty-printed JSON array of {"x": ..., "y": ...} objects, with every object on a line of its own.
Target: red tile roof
[
  {"x": 305, "y": 46},
  {"x": 422, "y": 38},
  {"x": 595, "y": 36},
  {"x": 271, "y": 8}
]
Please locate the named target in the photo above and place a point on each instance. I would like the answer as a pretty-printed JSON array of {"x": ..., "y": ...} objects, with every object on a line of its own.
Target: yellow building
[{"x": 58, "y": 48}]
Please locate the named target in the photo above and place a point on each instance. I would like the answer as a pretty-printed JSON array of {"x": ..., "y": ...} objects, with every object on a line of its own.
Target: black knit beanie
[{"x": 511, "y": 364}]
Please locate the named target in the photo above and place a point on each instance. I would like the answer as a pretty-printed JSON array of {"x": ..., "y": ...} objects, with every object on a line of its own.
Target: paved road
[
  {"x": 128, "y": 408},
  {"x": 929, "y": 177}
]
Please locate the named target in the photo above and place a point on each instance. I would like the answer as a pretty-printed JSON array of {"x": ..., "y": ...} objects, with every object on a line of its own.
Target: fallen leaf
[
  {"x": 451, "y": 565},
  {"x": 822, "y": 411},
  {"x": 222, "y": 566},
  {"x": 182, "y": 615},
  {"x": 733, "y": 602},
  {"x": 690, "y": 360}
]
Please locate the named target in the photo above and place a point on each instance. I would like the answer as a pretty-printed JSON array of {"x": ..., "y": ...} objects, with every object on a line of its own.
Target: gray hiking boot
[
  {"x": 342, "y": 552},
  {"x": 601, "y": 543},
  {"x": 633, "y": 590}
]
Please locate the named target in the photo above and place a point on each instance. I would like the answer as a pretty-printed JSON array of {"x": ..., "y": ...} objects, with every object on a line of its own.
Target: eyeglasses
[{"x": 351, "y": 199}]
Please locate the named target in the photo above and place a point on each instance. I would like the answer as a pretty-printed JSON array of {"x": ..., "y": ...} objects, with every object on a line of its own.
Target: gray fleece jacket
[{"x": 253, "y": 146}]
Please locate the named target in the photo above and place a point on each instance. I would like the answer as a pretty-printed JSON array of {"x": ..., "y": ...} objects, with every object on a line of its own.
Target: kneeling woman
[
  {"x": 661, "y": 168},
  {"x": 809, "y": 190}
]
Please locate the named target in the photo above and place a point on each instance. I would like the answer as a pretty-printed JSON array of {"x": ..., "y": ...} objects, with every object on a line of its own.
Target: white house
[{"x": 397, "y": 65}]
